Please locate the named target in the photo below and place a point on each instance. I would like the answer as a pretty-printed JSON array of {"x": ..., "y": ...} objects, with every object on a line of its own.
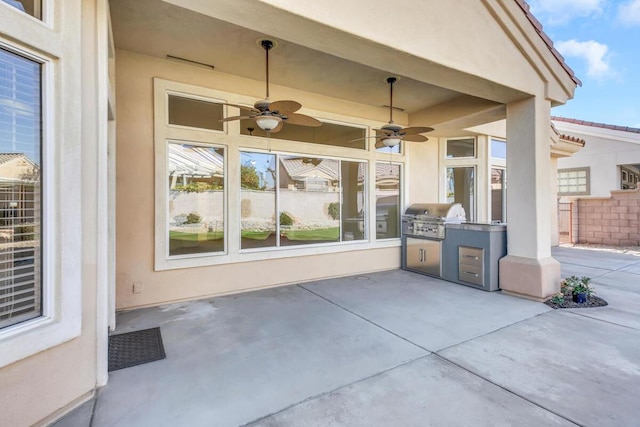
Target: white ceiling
[{"x": 158, "y": 29}]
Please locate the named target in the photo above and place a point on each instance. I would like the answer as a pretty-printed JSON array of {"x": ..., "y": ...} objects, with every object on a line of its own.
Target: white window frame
[
  {"x": 61, "y": 238},
  {"x": 234, "y": 143}
]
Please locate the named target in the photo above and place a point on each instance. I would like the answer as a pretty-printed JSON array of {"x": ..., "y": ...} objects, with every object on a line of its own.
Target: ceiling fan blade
[
  {"x": 415, "y": 130},
  {"x": 383, "y": 132},
  {"x": 242, "y": 107},
  {"x": 415, "y": 138},
  {"x": 302, "y": 120},
  {"x": 228, "y": 119},
  {"x": 379, "y": 144},
  {"x": 285, "y": 107}
]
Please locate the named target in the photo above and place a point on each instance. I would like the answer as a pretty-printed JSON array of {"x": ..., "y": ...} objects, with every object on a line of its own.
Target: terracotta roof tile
[
  {"x": 595, "y": 124},
  {"x": 538, "y": 26}
]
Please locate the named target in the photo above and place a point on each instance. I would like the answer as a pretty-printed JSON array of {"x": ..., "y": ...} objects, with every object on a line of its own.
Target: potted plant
[{"x": 577, "y": 287}]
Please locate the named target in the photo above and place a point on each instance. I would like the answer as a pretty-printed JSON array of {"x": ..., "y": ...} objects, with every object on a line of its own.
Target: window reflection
[
  {"x": 196, "y": 199},
  {"x": 309, "y": 193},
  {"x": 387, "y": 200},
  {"x": 258, "y": 200},
  {"x": 461, "y": 189},
  {"x": 498, "y": 195},
  {"x": 20, "y": 189}
]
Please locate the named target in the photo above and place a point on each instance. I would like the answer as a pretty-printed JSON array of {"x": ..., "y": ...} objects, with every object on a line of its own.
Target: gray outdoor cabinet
[{"x": 470, "y": 254}]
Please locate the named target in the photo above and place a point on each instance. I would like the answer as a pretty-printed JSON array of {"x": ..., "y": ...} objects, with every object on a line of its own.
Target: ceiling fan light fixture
[
  {"x": 268, "y": 123},
  {"x": 391, "y": 142}
]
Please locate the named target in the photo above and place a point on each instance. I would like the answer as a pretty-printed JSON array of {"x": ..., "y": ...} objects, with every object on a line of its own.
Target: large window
[
  {"x": 573, "y": 181},
  {"x": 461, "y": 189},
  {"x": 196, "y": 199},
  {"x": 290, "y": 200},
  {"x": 232, "y": 194},
  {"x": 20, "y": 189},
  {"x": 387, "y": 200}
]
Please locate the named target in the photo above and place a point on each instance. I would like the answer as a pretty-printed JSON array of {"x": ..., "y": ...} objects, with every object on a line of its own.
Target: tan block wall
[{"x": 610, "y": 221}]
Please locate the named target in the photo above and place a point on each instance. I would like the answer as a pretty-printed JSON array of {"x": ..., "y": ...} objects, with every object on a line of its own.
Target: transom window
[
  {"x": 328, "y": 134},
  {"x": 457, "y": 148}
]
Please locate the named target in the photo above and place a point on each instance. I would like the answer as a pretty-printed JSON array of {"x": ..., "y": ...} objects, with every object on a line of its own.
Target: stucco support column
[
  {"x": 528, "y": 269},
  {"x": 553, "y": 199}
]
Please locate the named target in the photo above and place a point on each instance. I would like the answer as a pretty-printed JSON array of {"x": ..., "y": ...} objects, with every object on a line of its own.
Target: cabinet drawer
[
  {"x": 471, "y": 274},
  {"x": 470, "y": 256}
]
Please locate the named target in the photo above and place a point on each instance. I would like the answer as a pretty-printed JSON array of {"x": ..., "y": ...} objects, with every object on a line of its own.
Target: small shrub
[
  {"x": 558, "y": 299},
  {"x": 180, "y": 219},
  {"x": 193, "y": 218},
  {"x": 285, "y": 219},
  {"x": 334, "y": 210}
]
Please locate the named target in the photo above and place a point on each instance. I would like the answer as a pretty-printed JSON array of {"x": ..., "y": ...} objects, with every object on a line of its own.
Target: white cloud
[
  {"x": 558, "y": 12},
  {"x": 629, "y": 12},
  {"x": 592, "y": 52}
]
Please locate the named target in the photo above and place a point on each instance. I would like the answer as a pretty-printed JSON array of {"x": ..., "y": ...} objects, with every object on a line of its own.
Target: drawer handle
[
  {"x": 470, "y": 274},
  {"x": 470, "y": 256}
]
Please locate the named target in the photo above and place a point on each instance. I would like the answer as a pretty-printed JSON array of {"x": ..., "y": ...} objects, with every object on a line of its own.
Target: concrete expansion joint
[
  {"x": 475, "y": 374},
  {"x": 366, "y": 320},
  {"x": 574, "y": 313},
  {"x": 325, "y": 393},
  {"x": 491, "y": 332}
]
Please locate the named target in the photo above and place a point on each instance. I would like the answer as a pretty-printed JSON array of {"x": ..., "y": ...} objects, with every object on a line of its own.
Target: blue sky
[{"x": 600, "y": 40}]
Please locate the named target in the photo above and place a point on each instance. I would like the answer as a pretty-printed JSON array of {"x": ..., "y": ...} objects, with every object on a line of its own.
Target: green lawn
[
  {"x": 327, "y": 234},
  {"x": 194, "y": 237},
  {"x": 256, "y": 235},
  {"x": 321, "y": 234}
]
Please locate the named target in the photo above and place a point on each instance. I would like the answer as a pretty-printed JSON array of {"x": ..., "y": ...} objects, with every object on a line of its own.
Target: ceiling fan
[
  {"x": 271, "y": 116},
  {"x": 391, "y": 134}
]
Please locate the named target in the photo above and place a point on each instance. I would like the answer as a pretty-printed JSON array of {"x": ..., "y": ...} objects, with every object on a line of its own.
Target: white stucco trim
[{"x": 61, "y": 195}]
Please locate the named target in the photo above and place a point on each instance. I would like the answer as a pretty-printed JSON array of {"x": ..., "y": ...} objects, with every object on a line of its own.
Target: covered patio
[{"x": 390, "y": 348}]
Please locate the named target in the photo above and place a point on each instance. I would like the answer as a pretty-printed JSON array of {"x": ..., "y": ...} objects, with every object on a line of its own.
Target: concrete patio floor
[{"x": 391, "y": 348}]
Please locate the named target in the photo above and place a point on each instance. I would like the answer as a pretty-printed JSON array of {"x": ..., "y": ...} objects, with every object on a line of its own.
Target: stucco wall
[
  {"x": 34, "y": 389},
  {"x": 136, "y": 202}
]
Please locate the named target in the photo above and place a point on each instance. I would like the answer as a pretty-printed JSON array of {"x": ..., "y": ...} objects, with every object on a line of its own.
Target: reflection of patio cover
[
  {"x": 301, "y": 168},
  {"x": 195, "y": 161},
  {"x": 387, "y": 175}
]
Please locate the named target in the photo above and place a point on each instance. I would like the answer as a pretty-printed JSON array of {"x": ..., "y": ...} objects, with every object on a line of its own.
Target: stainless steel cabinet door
[{"x": 423, "y": 256}]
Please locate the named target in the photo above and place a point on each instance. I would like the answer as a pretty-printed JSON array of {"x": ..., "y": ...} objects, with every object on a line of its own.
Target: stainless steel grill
[{"x": 429, "y": 219}]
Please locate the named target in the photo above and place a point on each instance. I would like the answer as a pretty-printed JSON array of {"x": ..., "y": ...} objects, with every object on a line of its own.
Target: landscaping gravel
[{"x": 592, "y": 301}]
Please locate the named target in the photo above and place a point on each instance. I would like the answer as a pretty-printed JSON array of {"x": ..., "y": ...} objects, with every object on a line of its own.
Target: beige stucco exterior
[{"x": 105, "y": 171}]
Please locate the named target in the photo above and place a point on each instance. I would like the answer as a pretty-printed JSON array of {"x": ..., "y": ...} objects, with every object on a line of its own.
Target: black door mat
[{"x": 135, "y": 348}]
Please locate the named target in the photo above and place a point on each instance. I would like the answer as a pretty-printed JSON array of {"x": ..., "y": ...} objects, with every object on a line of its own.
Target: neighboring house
[
  {"x": 609, "y": 161},
  {"x": 106, "y": 95},
  {"x": 598, "y": 186}
]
